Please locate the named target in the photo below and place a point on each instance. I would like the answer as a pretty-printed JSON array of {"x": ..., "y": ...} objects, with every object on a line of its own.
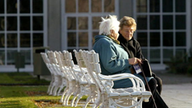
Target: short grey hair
[{"x": 108, "y": 24}]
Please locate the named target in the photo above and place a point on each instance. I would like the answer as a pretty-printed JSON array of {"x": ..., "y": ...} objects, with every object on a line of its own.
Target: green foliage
[{"x": 180, "y": 64}]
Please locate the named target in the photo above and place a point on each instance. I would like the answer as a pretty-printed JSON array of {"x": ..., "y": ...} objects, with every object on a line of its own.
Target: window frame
[
  {"x": 89, "y": 14},
  {"x": 161, "y": 65},
  {"x": 18, "y": 15}
]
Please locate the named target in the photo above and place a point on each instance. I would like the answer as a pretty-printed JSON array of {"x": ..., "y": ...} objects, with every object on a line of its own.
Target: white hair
[{"x": 108, "y": 24}]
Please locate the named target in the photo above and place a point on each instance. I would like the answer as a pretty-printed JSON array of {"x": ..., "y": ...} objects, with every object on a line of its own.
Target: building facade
[{"x": 163, "y": 27}]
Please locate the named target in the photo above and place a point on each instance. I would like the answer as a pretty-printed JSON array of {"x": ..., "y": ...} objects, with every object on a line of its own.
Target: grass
[
  {"x": 22, "y": 96},
  {"x": 26, "y": 96},
  {"x": 20, "y": 78}
]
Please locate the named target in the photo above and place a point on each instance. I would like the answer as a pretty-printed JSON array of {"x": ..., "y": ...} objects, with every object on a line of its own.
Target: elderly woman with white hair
[{"x": 113, "y": 58}]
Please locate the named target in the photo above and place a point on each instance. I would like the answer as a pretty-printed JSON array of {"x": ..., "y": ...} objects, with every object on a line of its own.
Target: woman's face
[{"x": 127, "y": 32}]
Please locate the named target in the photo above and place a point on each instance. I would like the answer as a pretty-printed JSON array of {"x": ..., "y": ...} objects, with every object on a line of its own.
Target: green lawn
[
  {"x": 26, "y": 96},
  {"x": 23, "y": 96},
  {"x": 20, "y": 78}
]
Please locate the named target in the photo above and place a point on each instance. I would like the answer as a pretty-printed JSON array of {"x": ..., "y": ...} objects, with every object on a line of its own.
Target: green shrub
[{"x": 180, "y": 64}]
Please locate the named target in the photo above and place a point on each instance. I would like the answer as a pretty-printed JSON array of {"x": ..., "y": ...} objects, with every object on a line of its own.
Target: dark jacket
[{"x": 132, "y": 47}]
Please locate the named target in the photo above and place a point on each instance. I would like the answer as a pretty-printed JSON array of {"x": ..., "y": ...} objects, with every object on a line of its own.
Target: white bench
[
  {"x": 79, "y": 83},
  {"x": 108, "y": 97},
  {"x": 86, "y": 79},
  {"x": 56, "y": 77}
]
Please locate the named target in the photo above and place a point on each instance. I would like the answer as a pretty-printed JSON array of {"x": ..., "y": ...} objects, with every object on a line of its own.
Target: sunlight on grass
[
  {"x": 29, "y": 97},
  {"x": 26, "y": 96},
  {"x": 24, "y": 102}
]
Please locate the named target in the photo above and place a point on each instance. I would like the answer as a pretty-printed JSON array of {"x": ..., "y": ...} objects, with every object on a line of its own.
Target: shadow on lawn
[
  {"x": 19, "y": 79},
  {"x": 10, "y": 104}
]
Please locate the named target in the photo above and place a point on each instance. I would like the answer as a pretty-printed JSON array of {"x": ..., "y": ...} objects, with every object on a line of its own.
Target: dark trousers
[
  {"x": 158, "y": 100},
  {"x": 159, "y": 83}
]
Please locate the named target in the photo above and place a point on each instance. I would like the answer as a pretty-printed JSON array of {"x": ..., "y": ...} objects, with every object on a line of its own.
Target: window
[
  {"x": 81, "y": 21},
  {"x": 162, "y": 28},
  {"x": 22, "y": 27}
]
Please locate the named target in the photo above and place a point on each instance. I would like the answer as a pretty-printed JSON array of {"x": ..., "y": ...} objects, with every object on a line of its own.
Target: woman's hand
[{"x": 133, "y": 61}]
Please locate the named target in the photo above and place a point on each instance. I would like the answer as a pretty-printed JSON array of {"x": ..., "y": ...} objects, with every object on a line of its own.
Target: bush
[{"x": 180, "y": 64}]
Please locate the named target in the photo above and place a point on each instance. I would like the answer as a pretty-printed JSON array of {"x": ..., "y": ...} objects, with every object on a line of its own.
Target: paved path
[
  {"x": 177, "y": 90},
  {"x": 178, "y": 95}
]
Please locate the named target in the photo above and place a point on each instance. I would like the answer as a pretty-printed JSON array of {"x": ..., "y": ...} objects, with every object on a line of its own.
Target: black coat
[{"x": 132, "y": 47}]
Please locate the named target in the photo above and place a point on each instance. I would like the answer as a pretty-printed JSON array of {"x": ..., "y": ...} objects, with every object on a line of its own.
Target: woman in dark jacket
[{"x": 133, "y": 48}]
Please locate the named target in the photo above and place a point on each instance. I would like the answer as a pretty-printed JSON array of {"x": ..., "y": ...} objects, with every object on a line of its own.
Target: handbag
[{"x": 146, "y": 68}]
